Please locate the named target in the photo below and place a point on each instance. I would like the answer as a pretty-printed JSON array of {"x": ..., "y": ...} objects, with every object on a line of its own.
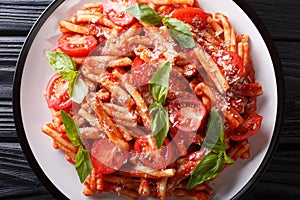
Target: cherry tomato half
[
  {"x": 150, "y": 155},
  {"x": 231, "y": 64},
  {"x": 57, "y": 93},
  {"x": 251, "y": 125},
  {"x": 115, "y": 11},
  {"x": 141, "y": 72},
  {"x": 107, "y": 158},
  {"x": 187, "y": 114},
  {"x": 77, "y": 45},
  {"x": 194, "y": 16}
]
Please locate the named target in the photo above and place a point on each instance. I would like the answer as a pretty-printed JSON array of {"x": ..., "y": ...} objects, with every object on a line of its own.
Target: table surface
[{"x": 281, "y": 179}]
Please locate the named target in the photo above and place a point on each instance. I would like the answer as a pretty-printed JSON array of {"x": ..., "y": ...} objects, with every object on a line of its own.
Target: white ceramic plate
[{"x": 31, "y": 110}]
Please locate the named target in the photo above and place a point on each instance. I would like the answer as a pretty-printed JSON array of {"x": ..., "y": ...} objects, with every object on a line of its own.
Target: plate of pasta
[{"x": 141, "y": 99}]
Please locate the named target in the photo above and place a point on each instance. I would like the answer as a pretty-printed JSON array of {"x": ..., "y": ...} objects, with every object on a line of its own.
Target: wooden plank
[
  {"x": 20, "y": 182},
  {"x": 281, "y": 17},
  {"x": 17, "y": 17}
]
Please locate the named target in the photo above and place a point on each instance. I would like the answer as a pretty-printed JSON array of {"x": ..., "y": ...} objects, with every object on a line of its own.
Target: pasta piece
[
  {"x": 147, "y": 172},
  {"x": 65, "y": 145},
  {"x": 47, "y": 128},
  {"x": 144, "y": 188},
  {"x": 212, "y": 69},
  {"x": 95, "y": 19},
  {"x": 230, "y": 113},
  {"x": 170, "y": 2},
  {"x": 108, "y": 126},
  {"x": 119, "y": 112},
  {"x": 162, "y": 188},
  {"x": 229, "y": 32},
  {"x": 142, "y": 107},
  {"x": 128, "y": 193},
  {"x": 73, "y": 27},
  {"x": 122, "y": 62},
  {"x": 92, "y": 5},
  {"x": 214, "y": 24}
]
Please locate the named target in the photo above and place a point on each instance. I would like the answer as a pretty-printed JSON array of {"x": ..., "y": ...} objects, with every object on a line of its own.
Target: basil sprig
[
  {"x": 83, "y": 160},
  {"x": 145, "y": 14},
  {"x": 180, "y": 32},
  {"x": 211, "y": 164},
  {"x": 158, "y": 87},
  {"x": 64, "y": 65},
  {"x": 178, "y": 29}
]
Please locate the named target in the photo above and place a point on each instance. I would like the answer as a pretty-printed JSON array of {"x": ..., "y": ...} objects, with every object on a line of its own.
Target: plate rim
[{"x": 277, "y": 66}]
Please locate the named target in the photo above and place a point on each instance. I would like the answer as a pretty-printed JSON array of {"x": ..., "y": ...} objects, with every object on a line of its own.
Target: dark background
[{"x": 281, "y": 180}]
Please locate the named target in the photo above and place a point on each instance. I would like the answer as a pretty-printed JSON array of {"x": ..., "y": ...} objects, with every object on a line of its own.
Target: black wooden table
[{"x": 282, "y": 177}]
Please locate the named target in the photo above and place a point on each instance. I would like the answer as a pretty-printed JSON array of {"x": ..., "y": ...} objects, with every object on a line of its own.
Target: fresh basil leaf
[
  {"x": 159, "y": 123},
  {"x": 71, "y": 129},
  {"x": 83, "y": 163},
  {"x": 208, "y": 168},
  {"x": 211, "y": 164},
  {"x": 227, "y": 158},
  {"x": 145, "y": 14},
  {"x": 61, "y": 62},
  {"x": 180, "y": 32},
  {"x": 160, "y": 92},
  {"x": 159, "y": 83},
  {"x": 80, "y": 90},
  {"x": 71, "y": 77},
  {"x": 214, "y": 139},
  {"x": 66, "y": 67}
]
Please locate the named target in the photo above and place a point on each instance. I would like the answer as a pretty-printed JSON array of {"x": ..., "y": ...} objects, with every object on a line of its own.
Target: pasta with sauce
[{"x": 144, "y": 138}]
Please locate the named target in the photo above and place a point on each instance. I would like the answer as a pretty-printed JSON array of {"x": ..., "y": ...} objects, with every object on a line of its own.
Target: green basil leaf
[
  {"x": 145, "y": 14},
  {"x": 61, "y": 63},
  {"x": 80, "y": 90},
  {"x": 180, "y": 32},
  {"x": 159, "y": 123},
  {"x": 209, "y": 167},
  {"x": 83, "y": 163},
  {"x": 227, "y": 158},
  {"x": 71, "y": 77},
  {"x": 160, "y": 92},
  {"x": 66, "y": 67},
  {"x": 72, "y": 129},
  {"x": 214, "y": 139},
  {"x": 159, "y": 83}
]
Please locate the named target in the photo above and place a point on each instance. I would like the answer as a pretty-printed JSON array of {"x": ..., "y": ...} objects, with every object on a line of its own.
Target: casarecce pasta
[{"x": 117, "y": 54}]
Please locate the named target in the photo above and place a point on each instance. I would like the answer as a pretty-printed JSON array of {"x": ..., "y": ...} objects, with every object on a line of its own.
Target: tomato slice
[
  {"x": 77, "y": 45},
  {"x": 231, "y": 65},
  {"x": 115, "y": 11},
  {"x": 187, "y": 114},
  {"x": 57, "y": 93},
  {"x": 150, "y": 155},
  {"x": 251, "y": 125},
  {"x": 194, "y": 16},
  {"x": 107, "y": 158},
  {"x": 141, "y": 72}
]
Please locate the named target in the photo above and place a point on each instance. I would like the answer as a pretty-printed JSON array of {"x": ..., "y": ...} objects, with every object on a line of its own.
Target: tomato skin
[
  {"x": 141, "y": 72},
  {"x": 187, "y": 114},
  {"x": 107, "y": 158},
  {"x": 115, "y": 11},
  {"x": 57, "y": 93},
  {"x": 150, "y": 155},
  {"x": 194, "y": 16},
  {"x": 251, "y": 125},
  {"x": 77, "y": 45},
  {"x": 231, "y": 65}
]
